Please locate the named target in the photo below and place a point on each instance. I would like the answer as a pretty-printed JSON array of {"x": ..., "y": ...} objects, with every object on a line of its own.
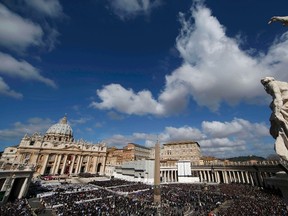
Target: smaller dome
[{"x": 61, "y": 128}]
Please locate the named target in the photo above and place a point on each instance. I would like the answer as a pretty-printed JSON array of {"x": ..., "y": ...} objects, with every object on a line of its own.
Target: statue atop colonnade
[{"x": 279, "y": 117}]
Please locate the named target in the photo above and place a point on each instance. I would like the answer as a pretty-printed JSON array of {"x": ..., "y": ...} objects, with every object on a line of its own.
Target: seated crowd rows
[{"x": 103, "y": 198}]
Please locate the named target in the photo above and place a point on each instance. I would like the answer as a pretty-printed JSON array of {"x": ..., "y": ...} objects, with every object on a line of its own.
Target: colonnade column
[
  {"x": 251, "y": 179},
  {"x": 247, "y": 177},
  {"x": 217, "y": 177},
  {"x": 200, "y": 176},
  {"x": 242, "y": 178},
  {"x": 225, "y": 177}
]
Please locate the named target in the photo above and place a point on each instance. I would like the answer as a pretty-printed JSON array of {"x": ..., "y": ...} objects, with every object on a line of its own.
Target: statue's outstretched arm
[{"x": 282, "y": 19}]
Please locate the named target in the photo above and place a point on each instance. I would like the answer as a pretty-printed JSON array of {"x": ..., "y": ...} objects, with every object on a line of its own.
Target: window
[{"x": 32, "y": 143}]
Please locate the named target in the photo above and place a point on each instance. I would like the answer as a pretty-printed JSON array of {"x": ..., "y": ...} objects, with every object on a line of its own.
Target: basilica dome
[{"x": 62, "y": 128}]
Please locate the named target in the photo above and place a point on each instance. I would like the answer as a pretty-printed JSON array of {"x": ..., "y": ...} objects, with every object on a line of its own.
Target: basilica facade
[{"x": 57, "y": 153}]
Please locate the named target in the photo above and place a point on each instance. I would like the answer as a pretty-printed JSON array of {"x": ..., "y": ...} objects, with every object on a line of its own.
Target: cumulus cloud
[
  {"x": 237, "y": 128},
  {"x": 6, "y": 91},
  {"x": 131, "y": 8},
  {"x": 17, "y": 33},
  {"x": 183, "y": 133},
  {"x": 126, "y": 101},
  {"x": 215, "y": 70},
  {"x": 51, "y": 8},
  {"x": 21, "y": 69},
  {"x": 81, "y": 120},
  {"x": 20, "y": 30},
  {"x": 18, "y": 129}
]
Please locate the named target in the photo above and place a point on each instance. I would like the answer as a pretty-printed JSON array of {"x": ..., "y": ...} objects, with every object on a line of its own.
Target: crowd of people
[
  {"x": 18, "y": 207},
  {"x": 176, "y": 199},
  {"x": 103, "y": 198}
]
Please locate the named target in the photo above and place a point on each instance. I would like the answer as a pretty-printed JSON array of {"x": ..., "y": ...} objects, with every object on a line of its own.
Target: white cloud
[
  {"x": 19, "y": 129},
  {"x": 224, "y": 147},
  {"x": 237, "y": 128},
  {"x": 214, "y": 71},
  {"x": 130, "y": 8},
  {"x": 81, "y": 120},
  {"x": 183, "y": 133},
  {"x": 118, "y": 140},
  {"x": 17, "y": 33},
  {"x": 21, "y": 69},
  {"x": 126, "y": 101},
  {"x": 51, "y": 8},
  {"x": 6, "y": 91},
  {"x": 214, "y": 68}
]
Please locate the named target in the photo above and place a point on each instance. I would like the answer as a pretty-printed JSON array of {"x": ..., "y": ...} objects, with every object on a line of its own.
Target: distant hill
[{"x": 246, "y": 158}]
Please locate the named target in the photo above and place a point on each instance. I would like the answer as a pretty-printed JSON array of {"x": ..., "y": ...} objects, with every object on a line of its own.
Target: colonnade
[
  {"x": 169, "y": 175},
  {"x": 252, "y": 175},
  {"x": 234, "y": 176}
]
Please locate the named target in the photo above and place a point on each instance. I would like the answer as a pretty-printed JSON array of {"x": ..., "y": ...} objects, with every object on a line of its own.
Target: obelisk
[{"x": 157, "y": 193}]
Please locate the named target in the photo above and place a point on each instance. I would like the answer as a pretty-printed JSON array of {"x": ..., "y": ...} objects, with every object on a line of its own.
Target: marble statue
[
  {"x": 279, "y": 117},
  {"x": 282, "y": 19}
]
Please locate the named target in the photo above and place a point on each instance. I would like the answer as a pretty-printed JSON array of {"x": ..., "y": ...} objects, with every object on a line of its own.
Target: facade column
[
  {"x": 23, "y": 188},
  {"x": 44, "y": 164},
  {"x": 87, "y": 164},
  {"x": 54, "y": 164},
  {"x": 9, "y": 181},
  {"x": 94, "y": 164},
  {"x": 64, "y": 164},
  {"x": 77, "y": 163},
  {"x": 58, "y": 164},
  {"x": 72, "y": 164},
  {"x": 80, "y": 164}
]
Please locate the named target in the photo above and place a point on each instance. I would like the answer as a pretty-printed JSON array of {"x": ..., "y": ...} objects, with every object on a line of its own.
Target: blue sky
[{"x": 137, "y": 71}]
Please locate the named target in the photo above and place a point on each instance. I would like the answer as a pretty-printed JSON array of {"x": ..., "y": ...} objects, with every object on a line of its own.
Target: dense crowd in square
[{"x": 103, "y": 198}]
